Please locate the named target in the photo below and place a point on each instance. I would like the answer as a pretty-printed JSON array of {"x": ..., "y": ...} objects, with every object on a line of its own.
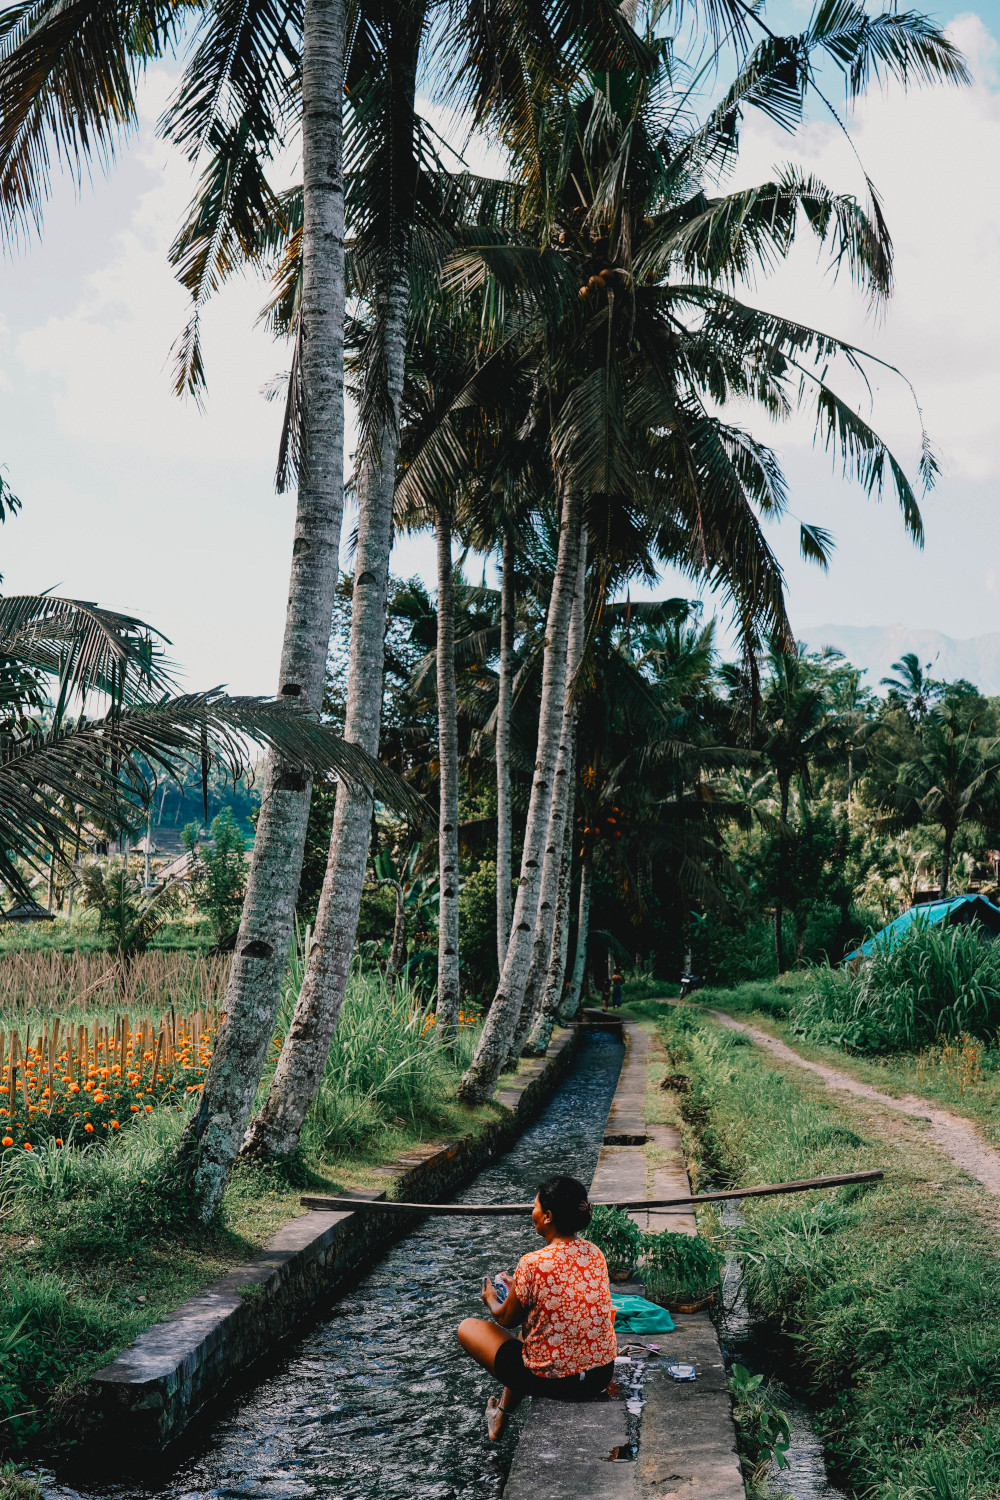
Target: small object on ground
[{"x": 680, "y": 1370}]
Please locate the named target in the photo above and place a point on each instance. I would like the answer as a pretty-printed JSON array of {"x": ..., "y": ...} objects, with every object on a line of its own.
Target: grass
[
  {"x": 962, "y": 1076},
  {"x": 91, "y": 983},
  {"x": 936, "y": 982},
  {"x": 95, "y": 1244},
  {"x": 886, "y": 1295},
  {"x": 80, "y": 934}
]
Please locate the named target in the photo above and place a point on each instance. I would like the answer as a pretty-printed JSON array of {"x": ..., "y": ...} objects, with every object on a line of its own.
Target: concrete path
[
  {"x": 957, "y": 1137},
  {"x": 686, "y": 1438}
]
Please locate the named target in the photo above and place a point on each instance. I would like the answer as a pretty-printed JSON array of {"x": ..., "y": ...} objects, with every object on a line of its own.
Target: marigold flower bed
[{"x": 75, "y": 1082}]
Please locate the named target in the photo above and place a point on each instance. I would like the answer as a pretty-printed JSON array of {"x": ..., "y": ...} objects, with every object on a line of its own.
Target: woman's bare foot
[{"x": 496, "y": 1418}]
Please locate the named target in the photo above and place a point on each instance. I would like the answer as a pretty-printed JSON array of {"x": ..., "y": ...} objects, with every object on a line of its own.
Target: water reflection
[{"x": 377, "y": 1400}]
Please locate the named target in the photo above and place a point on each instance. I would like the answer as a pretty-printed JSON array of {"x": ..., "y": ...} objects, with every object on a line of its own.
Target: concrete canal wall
[
  {"x": 686, "y": 1435},
  {"x": 177, "y": 1368}
]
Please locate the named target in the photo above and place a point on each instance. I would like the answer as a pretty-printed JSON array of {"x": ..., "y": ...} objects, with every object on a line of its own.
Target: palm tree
[
  {"x": 955, "y": 776},
  {"x": 796, "y": 727},
  {"x": 618, "y": 273},
  {"x": 386, "y": 147},
  {"x": 911, "y": 687}
]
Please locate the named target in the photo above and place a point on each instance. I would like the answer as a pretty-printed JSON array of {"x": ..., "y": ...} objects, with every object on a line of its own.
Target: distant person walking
[{"x": 616, "y": 989}]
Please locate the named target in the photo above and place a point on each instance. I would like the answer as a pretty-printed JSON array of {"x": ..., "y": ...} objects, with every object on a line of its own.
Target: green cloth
[{"x": 636, "y": 1315}]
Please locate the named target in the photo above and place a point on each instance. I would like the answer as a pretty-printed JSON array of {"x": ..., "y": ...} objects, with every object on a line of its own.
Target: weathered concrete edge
[{"x": 176, "y": 1368}]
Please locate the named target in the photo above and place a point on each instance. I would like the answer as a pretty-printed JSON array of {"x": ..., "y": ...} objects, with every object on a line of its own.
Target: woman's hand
[
  {"x": 489, "y": 1296},
  {"x": 508, "y": 1313}
]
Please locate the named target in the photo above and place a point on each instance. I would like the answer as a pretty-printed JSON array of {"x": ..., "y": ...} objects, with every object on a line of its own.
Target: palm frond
[
  {"x": 68, "y": 71},
  {"x": 109, "y": 768},
  {"x": 88, "y": 649}
]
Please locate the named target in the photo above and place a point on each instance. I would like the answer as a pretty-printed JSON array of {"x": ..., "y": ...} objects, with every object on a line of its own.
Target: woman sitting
[{"x": 562, "y": 1296}]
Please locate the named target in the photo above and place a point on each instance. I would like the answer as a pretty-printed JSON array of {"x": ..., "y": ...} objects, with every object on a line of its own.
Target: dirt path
[{"x": 957, "y": 1137}]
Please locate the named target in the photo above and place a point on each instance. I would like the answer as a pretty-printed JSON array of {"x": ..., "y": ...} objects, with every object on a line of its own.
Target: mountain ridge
[{"x": 875, "y": 647}]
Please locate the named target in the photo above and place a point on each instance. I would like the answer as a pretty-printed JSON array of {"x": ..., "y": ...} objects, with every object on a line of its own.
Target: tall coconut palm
[
  {"x": 386, "y": 152},
  {"x": 911, "y": 686},
  {"x": 796, "y": 726},
  {"x": 619, "y": 271}
]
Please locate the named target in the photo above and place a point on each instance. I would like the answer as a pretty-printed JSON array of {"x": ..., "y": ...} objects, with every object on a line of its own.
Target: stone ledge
[{"x": 174, "y": 1370}]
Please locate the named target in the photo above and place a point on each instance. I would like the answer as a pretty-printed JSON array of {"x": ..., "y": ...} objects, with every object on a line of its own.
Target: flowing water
[
  {"x": 804, "y": 1477},
  {"x": 377, "y": 1400}
]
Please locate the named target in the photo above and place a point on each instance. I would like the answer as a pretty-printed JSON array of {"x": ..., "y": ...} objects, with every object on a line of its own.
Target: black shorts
[{"x": 510, "y": 1369}]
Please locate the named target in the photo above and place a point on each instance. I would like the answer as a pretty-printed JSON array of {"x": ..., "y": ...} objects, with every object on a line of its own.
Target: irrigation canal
[{"x": 377, "y": 1399}]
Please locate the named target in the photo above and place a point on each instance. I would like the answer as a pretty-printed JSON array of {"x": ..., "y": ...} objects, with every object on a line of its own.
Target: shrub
[
  {"x": 219, "y": 874},
  {"x": 385, "y": 1065},
  {"x": 618, "y": 1237},
  {"x": 934, "y": 982},
  {"x": 679, "y": 1267},
  {"x": 763, "y": 1430},
  {"x": 477, "y": 925}
]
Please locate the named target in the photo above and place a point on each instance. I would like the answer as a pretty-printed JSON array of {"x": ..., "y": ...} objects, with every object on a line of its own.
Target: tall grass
[
  {"x": 44, "y": 979},
  {"x": 386, "y": 1068},
  {"x": 935, "y": 982}
]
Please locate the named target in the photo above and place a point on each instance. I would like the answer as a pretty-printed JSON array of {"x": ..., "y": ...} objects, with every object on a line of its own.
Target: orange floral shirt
[{"x": 569, "y": 1323}]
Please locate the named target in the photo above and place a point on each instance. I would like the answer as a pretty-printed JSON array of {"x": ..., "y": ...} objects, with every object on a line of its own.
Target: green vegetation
[
  {"x": 763, "y": 1432},
  {"x": 218, "y": 874},
  {"x": 618, "y": 1237},
  {"x": 680, "y": 1267},
  {"x": 97, "y": 1240},
  {"x": 886, "y": 1294},
  {"x": 936, "y": 982}
]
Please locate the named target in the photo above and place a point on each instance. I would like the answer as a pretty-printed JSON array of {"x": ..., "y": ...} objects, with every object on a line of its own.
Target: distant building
[{"x": 27, "y": 911}]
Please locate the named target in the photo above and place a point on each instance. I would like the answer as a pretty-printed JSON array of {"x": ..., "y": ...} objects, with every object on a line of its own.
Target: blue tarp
[{"x": 931, "y": 913}]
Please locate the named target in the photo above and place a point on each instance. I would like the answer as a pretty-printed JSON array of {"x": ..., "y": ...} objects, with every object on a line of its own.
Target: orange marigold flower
[
  {"x": 114, "y": 1124},
  {"x": 8, "y": 1140},
  {"x": 28, "y": 1146},
  {"x": 134, "y": 1108},
  {"x": 89, "y": 1128},
  {"x": 59, "y": 1140},
  {"x": 149, "y": 1109},
  {"x": 74, "y": 1088}
]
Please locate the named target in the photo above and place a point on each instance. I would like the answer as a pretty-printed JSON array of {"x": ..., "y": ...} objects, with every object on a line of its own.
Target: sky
[{"x": 137, "y": 500}]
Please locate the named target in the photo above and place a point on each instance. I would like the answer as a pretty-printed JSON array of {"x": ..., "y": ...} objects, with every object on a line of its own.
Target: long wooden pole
[{"x": 462, "y": 1209}]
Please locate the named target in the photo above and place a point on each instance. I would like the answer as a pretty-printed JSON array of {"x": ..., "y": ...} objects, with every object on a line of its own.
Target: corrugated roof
[{"x": 931, "y": 913}]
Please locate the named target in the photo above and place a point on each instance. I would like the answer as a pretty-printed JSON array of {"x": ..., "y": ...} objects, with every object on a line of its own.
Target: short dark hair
[{"x": 566, "y": 1200}]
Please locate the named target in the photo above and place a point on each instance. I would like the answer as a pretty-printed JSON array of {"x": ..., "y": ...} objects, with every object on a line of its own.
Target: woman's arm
[{"x": 508, "y": 1313}]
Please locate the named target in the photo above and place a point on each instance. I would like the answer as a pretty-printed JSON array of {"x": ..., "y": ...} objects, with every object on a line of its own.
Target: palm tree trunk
[
  {"x": 559, "y": 813},
  {"x": 949, "y": 836},
  {"x": 213, "y": 1136},
  {"x": 779, "y": 947},
  {"x": 480, "y": 1078},
  {"x": 276, "y": 1129},
  {"x": 447, "y": 703},
  {"x": 307, "y": 1045},
  {"x": 568, "y": 1009},
  {"x": 502, "y": 741},
  {"x": 552, "y": 993}
]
